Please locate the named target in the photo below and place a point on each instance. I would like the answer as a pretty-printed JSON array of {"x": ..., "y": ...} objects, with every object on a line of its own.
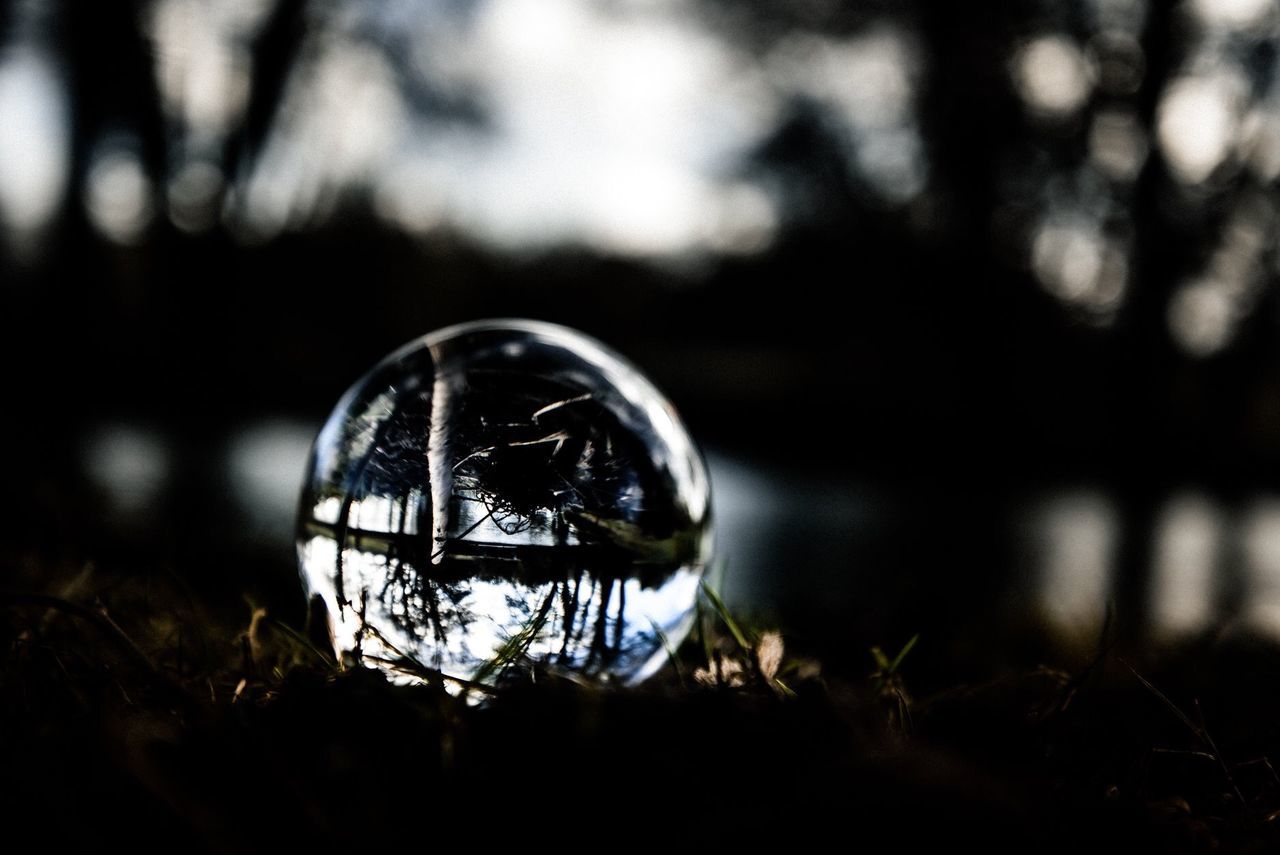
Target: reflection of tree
[
  {"x": 546, "y": 444},
  {"x": 545, "y": 477},
  {"x": 536, "y": 463}
]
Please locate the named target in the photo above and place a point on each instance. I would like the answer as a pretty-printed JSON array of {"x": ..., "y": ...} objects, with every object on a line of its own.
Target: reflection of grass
[
  {"x": 513, "y": 650},
  {"x": 116, "y": 728}
]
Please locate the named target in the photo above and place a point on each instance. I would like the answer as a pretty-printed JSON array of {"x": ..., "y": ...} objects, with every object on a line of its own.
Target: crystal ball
[{"x": 503, "y": 497}]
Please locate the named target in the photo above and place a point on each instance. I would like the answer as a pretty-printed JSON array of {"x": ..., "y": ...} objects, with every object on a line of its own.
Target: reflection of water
[
  {"x": 1076, "y": 544},
  {"x": 1260, "y": 542},
  {"x": 265, "y": 463},
  {"x": 1200, "y": 564},
  {"x": 792, "y": 542},
  {"x": 795, "y": 544},
  {"x": 1207, "y": 567},
  {"x": 130, "y": 466},
  {"x": 1186, "y": 565}
]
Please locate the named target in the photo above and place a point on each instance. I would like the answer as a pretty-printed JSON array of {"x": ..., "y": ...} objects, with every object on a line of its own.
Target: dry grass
[{"x": 131, "y": 714}]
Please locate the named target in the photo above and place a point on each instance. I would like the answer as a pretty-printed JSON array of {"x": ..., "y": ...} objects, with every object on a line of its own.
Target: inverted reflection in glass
[{"x": 504, "y": 495}]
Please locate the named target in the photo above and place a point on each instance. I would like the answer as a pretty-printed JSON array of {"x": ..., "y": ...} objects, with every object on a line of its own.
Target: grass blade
[{"x": 723, "y": 612}]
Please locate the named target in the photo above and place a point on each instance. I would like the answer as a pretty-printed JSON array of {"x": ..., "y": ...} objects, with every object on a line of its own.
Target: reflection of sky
[{"x": 496, "y": 611}]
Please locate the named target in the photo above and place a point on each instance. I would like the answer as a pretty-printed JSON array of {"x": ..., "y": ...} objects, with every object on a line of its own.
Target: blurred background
[{"x": 974, "y": 313}]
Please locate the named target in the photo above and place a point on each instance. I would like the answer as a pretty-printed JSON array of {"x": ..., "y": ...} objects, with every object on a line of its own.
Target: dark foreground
[{"x": 131, "y": 716}]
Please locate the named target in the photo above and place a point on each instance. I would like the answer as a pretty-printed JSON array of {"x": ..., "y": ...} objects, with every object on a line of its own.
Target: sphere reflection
[{"x": 505, "y": 495}]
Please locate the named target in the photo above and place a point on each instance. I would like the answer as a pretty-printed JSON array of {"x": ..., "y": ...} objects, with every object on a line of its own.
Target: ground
[{"x": 134, "y": 715}]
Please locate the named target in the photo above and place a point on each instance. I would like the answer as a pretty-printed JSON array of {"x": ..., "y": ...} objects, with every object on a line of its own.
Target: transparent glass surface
[{"x": 501, "y": 496}]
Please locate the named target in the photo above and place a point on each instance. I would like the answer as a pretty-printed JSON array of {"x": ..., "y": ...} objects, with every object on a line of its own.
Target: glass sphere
[{"x": 503, "y": 496}]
